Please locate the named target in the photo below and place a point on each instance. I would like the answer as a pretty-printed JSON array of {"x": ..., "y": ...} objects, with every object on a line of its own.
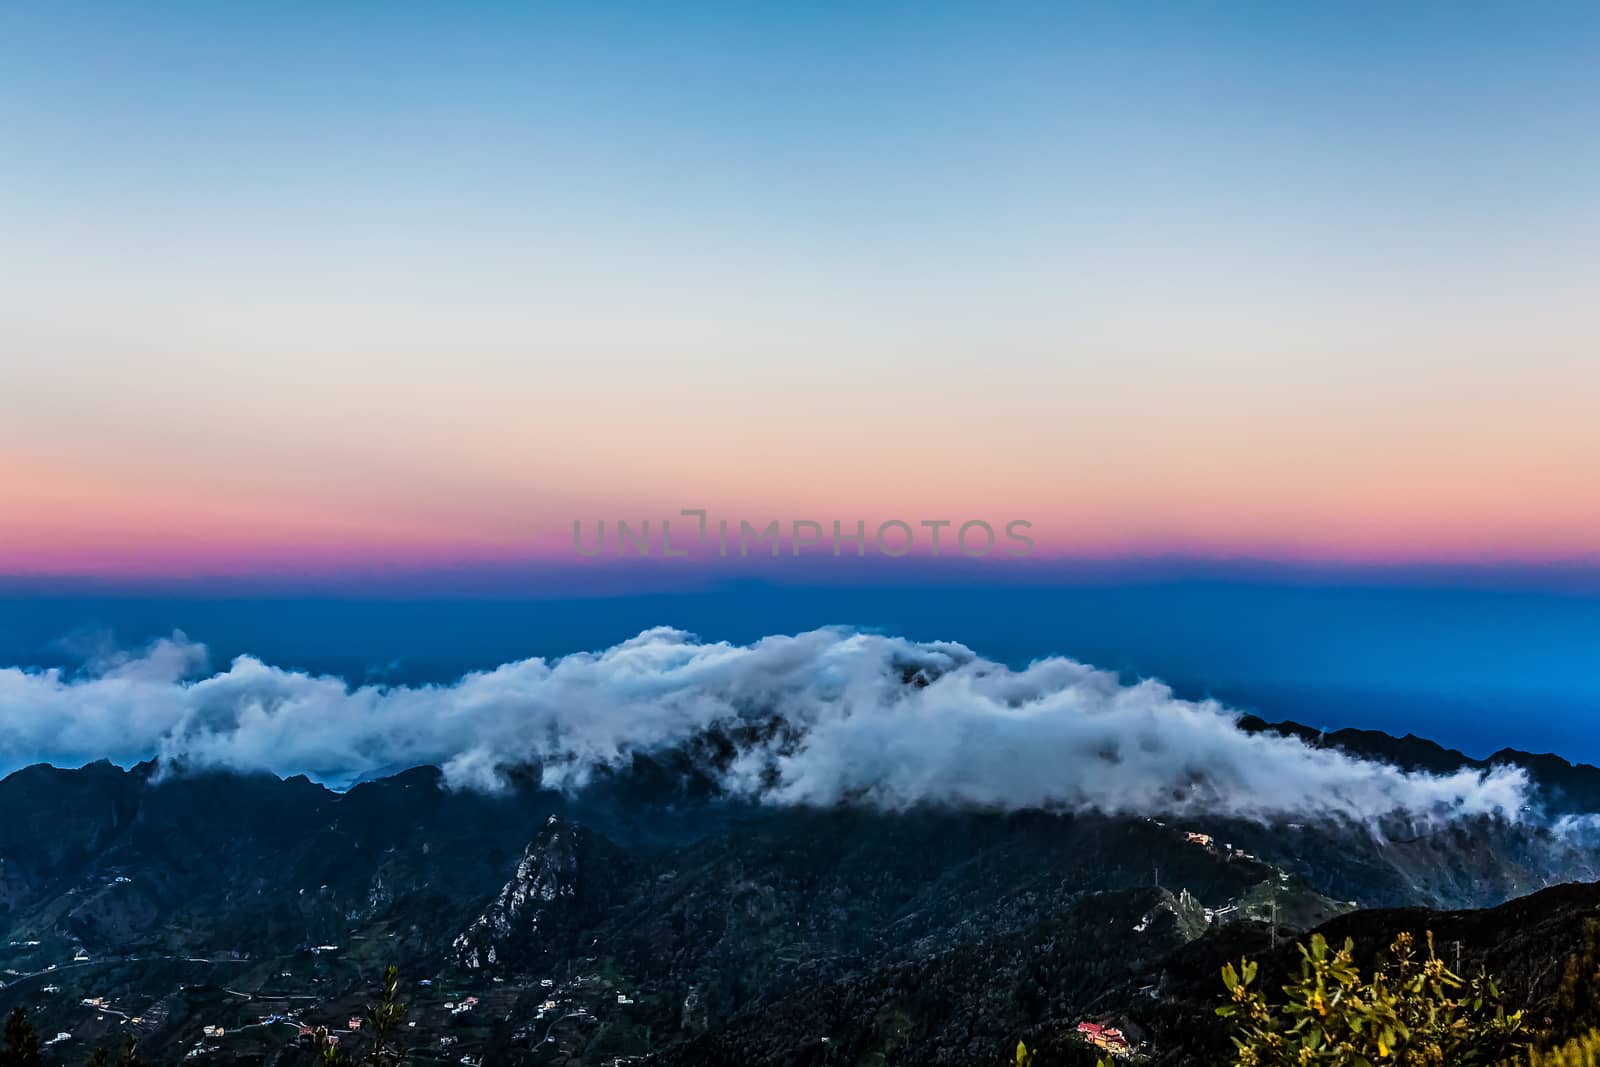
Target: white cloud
[{"x": 1057, "y": 734}]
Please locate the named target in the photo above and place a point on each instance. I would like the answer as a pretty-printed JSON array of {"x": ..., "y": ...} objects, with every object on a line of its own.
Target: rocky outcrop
[{"x": 539, "y": 909}]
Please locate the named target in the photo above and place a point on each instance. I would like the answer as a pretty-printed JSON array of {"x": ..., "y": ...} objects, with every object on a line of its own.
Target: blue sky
[
  {"x": 296, "y": 286},
  {"x": 324, "y": 322}
]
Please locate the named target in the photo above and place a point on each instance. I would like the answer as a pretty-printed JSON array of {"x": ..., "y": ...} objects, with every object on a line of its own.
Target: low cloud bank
[{"x": 859, "y": 717}]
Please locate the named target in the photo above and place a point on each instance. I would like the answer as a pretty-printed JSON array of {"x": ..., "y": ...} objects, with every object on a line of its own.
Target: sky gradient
[{"x": 302, "y": 288}]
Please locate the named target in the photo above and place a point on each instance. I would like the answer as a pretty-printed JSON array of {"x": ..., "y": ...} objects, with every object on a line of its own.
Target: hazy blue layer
[{"x": 1476, "y": 669}]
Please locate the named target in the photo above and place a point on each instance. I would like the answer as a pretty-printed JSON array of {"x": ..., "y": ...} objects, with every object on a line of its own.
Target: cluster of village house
[
  {"x": 1195, "y": 837},
  {"x": 1109, "y": 1038},
  {"x": 1207, "y": 841},
  {"x": 456, "y": 1008},
  {"x": 306, "y": 1033},
  {"x": 1106, "y": 1038}
]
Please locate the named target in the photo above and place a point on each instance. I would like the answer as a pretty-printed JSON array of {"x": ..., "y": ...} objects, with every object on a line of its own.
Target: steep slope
[
  {"x": 561, "y": 887},
  {"x": 965, "y": 1002}
]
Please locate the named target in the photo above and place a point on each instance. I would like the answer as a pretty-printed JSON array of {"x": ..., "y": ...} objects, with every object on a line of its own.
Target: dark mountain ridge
[
  {"x": 729, "y": 931},
  {"x": 1562, "y": 785}
]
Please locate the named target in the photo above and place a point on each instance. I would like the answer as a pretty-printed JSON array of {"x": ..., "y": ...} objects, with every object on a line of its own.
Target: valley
[{"x": 225, "y": 918}]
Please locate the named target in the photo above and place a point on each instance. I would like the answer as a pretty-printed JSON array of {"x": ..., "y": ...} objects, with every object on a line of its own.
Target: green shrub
[
  {"x": 1578, "y": 1052},
  {"x": 1409, "y": 1011}
]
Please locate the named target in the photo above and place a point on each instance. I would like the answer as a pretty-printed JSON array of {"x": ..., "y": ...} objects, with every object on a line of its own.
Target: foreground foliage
[
  {"x": 1411, "y": 1010},
  {"x": 1578, "y": 1052},
  {"x": 21, "y": 1047},
  {"x": 128, "y": 1057},
  {"x": 384, "y": 1020}
]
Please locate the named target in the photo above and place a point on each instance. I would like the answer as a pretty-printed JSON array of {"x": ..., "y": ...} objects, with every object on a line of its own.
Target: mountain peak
[{"x": 535, "y": 904}]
